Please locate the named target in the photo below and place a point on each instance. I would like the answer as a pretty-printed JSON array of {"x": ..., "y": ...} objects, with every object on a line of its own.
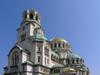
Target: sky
[{"x": 77, "y": 21}]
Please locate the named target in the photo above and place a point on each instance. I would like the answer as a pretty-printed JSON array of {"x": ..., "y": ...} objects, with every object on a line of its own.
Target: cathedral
[{"x": 33, "y": 54}]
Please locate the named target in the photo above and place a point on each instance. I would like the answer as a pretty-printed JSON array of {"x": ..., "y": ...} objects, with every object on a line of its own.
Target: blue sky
[{"x": 77, "y": 21}]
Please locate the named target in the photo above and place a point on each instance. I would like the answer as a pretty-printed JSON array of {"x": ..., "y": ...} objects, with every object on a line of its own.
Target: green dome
[
  {"x": 58, "y": 65},
  {"x": 70, "y": 56},
  {"x": 85, "y": 68}
]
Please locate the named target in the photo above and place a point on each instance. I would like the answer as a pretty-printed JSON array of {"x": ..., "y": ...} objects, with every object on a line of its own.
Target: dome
[
  {"x": 58, "y": 40},
  {"x": 85, "y": 68},
  {"x": 58, "y": 65},
  {"x": 69, "y": 69},
  {"x": 70, "y": 56}
]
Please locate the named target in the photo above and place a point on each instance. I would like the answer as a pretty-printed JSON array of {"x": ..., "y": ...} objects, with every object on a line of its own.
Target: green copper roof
[
  {"x": 58, "y": 65},
  {"x": 84, "y": 69},
  {"x": 70, "y": 56},
  {"x": 29, "y": 62},
  {"x": 39, "y": 36},
  {"x": 52, "y": 52}
]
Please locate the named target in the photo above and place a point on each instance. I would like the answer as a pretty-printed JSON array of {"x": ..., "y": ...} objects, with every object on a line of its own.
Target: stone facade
[{"x": 33, "y": 54}]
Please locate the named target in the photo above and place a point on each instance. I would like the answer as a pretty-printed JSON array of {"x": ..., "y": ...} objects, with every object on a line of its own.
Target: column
[
  {"x": 80, "y": 73},
  {"x": 70, "y": 61},
  {"x": 84, "y": 73},
  {"x": 61, "y": 44},
  {"x": 57, "y": 44},
  {"x": 28, "y": 15},
  {"x": 43, "y": 61},
  {"x": 79, "y": 61},
  {"x": 75, "y": 61},
  {"x": 35, "y": 53}
]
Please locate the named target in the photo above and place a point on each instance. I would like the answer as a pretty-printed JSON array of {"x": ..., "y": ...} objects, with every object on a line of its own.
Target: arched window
[
  {"x": 36, "y": 18},
  {"x": 81, "y": 61},
  {"x": 15, "y": 58},
  {"x": 31, "y": 16},
  {"x": 68, "y": 61},
  {"x": 55, "y": 45},
  {"x": 59, "y": 45},
  {"x": 72, "y": 61},
  {"x": 25, "y": 16},
  {"x": 23, "y": 37},
  {"x": 12, "y": 60},
  {"x": 77, "y": 61},
  {"x": 63, "y": 45}
]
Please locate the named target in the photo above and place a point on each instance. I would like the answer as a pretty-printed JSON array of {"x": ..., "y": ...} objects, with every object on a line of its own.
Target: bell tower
[
  {"x": 30, "y": 20},
  {"x": 31, "y": 15}
]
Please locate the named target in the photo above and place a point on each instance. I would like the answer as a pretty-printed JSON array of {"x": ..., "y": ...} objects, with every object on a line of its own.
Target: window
[
  {"x": 63, "y": 45},
  {"x": 68, "y": 61},
  {"x": 59, "y": 45},
  {"x": 23, "y": 37},
  {"x": 55, "y": 45},
  {"x": 45, "y": 60},
  {"x": 46, "y": 51},
  {"x": 38, "y": 58},
  {"x": 23, "y": 68},
  {"x": 77, "y": 61},
  {"x": 15, "y": 58},
  {"x": 25, "y": 16},
  {"x": 81, "y": 61},
  {"x": 72, "y": 61},
  {"x": 23, "y": 28},
  {"x": 31, "y": 16},
  {"x": 36, "y": 18}
]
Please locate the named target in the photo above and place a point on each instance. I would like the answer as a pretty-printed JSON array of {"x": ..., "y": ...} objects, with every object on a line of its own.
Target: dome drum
[
  {"x": 59, "y": 43},
  {"x": 74, "y": 59}
]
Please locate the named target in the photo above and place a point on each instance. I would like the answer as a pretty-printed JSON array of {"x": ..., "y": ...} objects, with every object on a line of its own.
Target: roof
[
  {"x": 85, "y": 68},
  {"x": 70, "y": 56},
  {"x": 28, "y": 62},
  {"x": 39, "y": 36},
  {"x": 23, "y": 49},
  {"x": 20, "y": 48},
  {"x": 58, "y": 40},
  {"x": 52, "y": 52},
  {"x": 58, "y": 65},
  {"x": 69, "y": 69}
]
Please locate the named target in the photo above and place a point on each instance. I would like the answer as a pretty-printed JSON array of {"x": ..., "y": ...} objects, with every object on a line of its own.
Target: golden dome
[
  {"x": 58, "y": 40},
  {"x": 69, "y": 69}
]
